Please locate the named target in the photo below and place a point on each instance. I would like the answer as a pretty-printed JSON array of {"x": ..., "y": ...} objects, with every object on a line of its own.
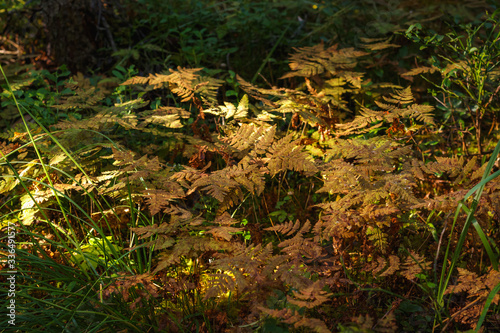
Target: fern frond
[
  {"x": 249, "y": 135},
  {"x": 315, "y": 60},
  {"x": 413, "y": 265},
  {"x": 248, "y": 264},
  {"x": 287, "y": 228},
  {"x": 185, "y": 82},
  {"x": 217, "y": 284},
  {"x": 261, "y": 94},
  {"x": 166, "y": 116},
  {"x": 158, "y": 199},
  {"x": 229, "y": 111},
  {"x": 292, "y": 317},
  {"x": 84, "y": 95},
  {"x": 450, "y": 165},
  {"x": 311, "y": 296},
  {"x": 393, "y": 266},
  {"x": 285, "y": 154},
  {"x": 422, "y": 113},
  {"x": 401, "y": 97},
  {"x": 376, "y": 44},
  {"x": 378, "y": 238},
  {"x": 419, "y": 70},
  {"x": 136, "y": 168},
  {"x": 398, "y": 106}
]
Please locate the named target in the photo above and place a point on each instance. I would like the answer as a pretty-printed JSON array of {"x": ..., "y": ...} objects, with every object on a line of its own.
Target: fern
[
  {"x": 224, "y": 230},
  {"x": 376, "y": 44},
  {"x": 414, "y": 264},
  {"x": 477, "y": 289},
  {"x": 299, "y": 248},
  {"x": 168, "y": 117},
  {"x": 285, "y": 154},
  {"x": 229, "y": 111},
  {"x": 263, "y": 95},
  {"x": 141, "y": 284},
  {"x": 310, "y": 297},
  {"x": 378, "y": 238},
  {"x": 315, "y": 60}
]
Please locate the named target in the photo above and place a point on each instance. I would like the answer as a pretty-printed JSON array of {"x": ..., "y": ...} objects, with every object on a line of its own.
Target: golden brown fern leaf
[
  {"x": 383, "y": 266},
  {"x": 184, "y": 82},
  {"x": 414, "y": 265},
  {"x": 311, "y": 296},
  {"x": 156, "y": 199},
  {"x": 224, "y": 229},
  {"x": 286, "y": 154},
  {"x": 83, "y": 99},
  {"x": 397, "y": 106},
  {"x": 376, "y": 44},
  {"x": 263, "y": 95},
  {"x": 84, "y": 95},
  {"x": 251, "y": 266},
  {"x": 167, "y": 116},
  {"x": 188, "y": 247},
  {"x": 292, "y": 317},
  {"x": 299, "y": 249},
  {"x": 229, "y": 111},
  {"x": 217, "y": 284},
  {"x": 288, "y": 228},
  {"x": 251, "y": 136},
  {"x": 370, "y": 186},
  {"x": 417, "y": 71},
  {"x": 315, "y": 60},
  {"x": 219, "y": 183},
  {"x": 474, "y": 285},
  {"x": 107, "y": 117},
  {"x": 377, "y": 237},
  {"x": 135, "y": 168}
]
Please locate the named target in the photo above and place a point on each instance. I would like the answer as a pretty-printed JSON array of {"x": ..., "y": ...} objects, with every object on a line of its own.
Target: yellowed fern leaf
[
  {"x": 393, "y": 266},
  {"x": 315, "y": 60},
  {"x": 228, "y": 110},
  {"x": 401, "y": 97},
  {"x": 292, "y": 317},
  {"x": 287, "y": 228},
  {"x": 399, "y": 106},
  {"x": 184, "y": 82},
  {"x": 375, "y": 44},
  {"x": 285, "y": 154},
  {"x": 418, "y": 71},
  {"x": 378, "y": 237},
  {"x": 217, "y": 284},
  {"x": 158, "y": 199},
  {"x": 263, "y": 95},
  {"x": 232, "y": 198},
  {"x": 85, "y": 96},
  {"x": 249, "y": 135},
  {"x": 474, "y": 285}
]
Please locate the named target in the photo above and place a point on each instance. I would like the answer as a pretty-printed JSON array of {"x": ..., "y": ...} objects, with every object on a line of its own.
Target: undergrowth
[{"x": 186, "y": 200}]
